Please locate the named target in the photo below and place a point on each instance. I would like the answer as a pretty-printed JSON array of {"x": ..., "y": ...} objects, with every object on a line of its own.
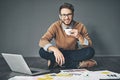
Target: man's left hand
[{"x": 74, "y": 33}]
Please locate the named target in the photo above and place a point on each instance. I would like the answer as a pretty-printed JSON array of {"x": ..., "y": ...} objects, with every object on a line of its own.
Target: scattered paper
[{"x": 72, "y": 74}]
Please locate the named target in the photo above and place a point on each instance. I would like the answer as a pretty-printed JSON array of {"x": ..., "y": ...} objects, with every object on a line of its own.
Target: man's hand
[
  {"x": 75, "y": 33},
  {"x": 58, "y": 55}
]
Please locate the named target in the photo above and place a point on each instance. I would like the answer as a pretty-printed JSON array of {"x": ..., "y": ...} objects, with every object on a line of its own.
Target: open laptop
[{"x": 17, "y": 63}]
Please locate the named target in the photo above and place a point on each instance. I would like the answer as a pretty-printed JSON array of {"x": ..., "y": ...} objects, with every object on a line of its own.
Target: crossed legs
[{"x": 72, "y": 57}]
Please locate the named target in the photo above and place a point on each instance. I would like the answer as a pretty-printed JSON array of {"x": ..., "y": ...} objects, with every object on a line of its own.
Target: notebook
[{"x": 17, "y": 63}]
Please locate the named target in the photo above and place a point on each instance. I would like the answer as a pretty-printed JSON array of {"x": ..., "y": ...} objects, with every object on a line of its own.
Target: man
[{"x": 73, "y": 48}]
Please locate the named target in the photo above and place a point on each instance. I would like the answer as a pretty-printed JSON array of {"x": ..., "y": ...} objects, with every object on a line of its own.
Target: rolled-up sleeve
[{"x": 47, "y": 46}]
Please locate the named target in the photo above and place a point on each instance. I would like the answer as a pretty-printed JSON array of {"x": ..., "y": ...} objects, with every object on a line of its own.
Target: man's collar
[{"x": 67, "y": 27}]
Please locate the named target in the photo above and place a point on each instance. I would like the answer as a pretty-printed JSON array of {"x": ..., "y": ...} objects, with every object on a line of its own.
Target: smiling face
[{"x": 66, "y": 16}]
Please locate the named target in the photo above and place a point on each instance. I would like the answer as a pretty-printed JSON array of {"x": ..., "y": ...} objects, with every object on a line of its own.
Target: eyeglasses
[{"x": 68, "y": 15}]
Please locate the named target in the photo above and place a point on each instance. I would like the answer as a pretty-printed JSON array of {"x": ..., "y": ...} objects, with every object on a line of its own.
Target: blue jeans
[{"x": 72, "y": 57}]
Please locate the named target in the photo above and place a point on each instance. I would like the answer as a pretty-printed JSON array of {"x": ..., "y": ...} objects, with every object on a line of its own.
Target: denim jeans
[{"x": 72, "y": 57}]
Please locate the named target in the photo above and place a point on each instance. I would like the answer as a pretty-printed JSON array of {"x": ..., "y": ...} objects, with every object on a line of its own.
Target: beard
[{"x": 67, "y": 23}]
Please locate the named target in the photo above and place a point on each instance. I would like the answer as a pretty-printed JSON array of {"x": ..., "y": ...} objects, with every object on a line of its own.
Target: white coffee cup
[{"x": 68, "y": 31}]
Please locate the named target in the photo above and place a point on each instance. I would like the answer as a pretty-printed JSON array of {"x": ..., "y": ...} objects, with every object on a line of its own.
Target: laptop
[{"x": 17, "y": 63}]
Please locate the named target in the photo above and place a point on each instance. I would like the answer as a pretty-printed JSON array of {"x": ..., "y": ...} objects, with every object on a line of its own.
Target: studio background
[{"x": 23, "y": 22}]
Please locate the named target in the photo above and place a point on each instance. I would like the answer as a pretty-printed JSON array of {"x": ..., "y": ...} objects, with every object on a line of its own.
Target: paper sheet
[{"x": 73, "y": 74}]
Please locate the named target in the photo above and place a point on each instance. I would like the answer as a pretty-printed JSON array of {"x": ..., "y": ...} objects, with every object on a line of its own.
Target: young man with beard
[{"x": 73, "y": 46}]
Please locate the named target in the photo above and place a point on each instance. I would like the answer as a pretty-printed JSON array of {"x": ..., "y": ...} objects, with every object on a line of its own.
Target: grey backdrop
[{"x": 23, "y": 22}]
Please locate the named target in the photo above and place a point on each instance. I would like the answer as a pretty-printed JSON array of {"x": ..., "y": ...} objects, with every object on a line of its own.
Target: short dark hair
[{"x": 67, "y": 5}]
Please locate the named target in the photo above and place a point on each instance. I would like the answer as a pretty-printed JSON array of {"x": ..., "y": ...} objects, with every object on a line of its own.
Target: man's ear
[{"x": 59, "y": 16}]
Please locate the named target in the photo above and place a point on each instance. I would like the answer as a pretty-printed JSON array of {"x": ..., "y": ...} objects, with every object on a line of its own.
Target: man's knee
[
  {"x": 90, "y": 51},
  {"x": 42, "y": 52}
]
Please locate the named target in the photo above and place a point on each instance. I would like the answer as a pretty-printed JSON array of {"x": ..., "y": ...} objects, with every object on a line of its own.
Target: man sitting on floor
[{"x": 73, "y": 47}]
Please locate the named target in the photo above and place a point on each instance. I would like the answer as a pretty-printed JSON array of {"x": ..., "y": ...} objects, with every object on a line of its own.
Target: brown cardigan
[{"x": 61, "y": 39}]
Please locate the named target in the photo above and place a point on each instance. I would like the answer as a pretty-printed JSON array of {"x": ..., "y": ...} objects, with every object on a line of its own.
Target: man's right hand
[{"x": 58, "y": 55}]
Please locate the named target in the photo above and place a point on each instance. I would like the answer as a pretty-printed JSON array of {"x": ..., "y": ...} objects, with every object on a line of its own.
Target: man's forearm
[{"x": 52, "y": 49}]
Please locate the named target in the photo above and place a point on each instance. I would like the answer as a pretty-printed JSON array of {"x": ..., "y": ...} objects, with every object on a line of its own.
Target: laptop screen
[{"x": 16, "y": 63}]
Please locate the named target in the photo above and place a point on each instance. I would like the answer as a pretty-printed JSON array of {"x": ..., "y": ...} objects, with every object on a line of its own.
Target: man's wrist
[
  {"x": 80, "y": 38},
  {"x": 52, "y": 48}
]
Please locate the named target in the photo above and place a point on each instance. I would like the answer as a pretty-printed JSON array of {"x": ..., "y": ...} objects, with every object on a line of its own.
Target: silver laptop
[{"x": 17, "y": 63}]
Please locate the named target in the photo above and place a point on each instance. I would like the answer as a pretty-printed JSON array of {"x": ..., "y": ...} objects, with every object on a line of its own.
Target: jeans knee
[
  {"x": 41, "y": 52},
  {"x": 91, "y": 51}
]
